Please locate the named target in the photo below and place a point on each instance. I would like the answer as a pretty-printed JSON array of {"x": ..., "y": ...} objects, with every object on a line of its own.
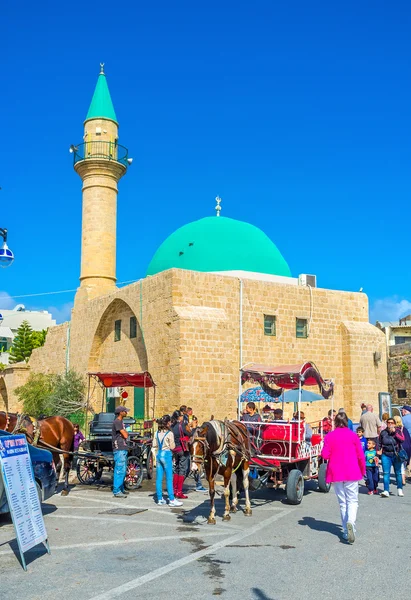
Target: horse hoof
[
  {"x": 248, "y": 512},
  {"x": 233, "y": 509},
  {"x": 64, "y": 493},
  {"x": 226, "y": 518},
  {"x": 211, "y": 521}
]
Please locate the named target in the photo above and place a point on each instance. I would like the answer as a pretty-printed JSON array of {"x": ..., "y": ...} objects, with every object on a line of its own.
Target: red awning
[
  {"x": 287, "y": 376},
  {"x": 139, "y": 380}
]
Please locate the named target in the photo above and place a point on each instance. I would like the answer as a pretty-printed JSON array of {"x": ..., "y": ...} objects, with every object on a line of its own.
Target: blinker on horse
[
  {"x": 223, "y": 448},
  {"x": 54, "y": 431}
]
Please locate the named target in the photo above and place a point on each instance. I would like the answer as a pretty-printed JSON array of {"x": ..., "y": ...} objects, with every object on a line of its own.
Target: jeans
[
  {"x": 347, "y": 495},
  {"x": 373, "y": 477},
  {"x": 164, "y": 465},
  {"x": 387, "y": 463},
  {"x": 182, "y": 462},
  {"x": 120, "y": 467}
]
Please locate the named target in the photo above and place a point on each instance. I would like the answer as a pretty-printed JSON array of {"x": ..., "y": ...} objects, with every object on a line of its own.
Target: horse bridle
[{"x": 199, "y": 459}]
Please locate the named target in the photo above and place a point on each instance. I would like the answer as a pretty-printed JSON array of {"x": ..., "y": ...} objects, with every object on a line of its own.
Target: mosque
[{"x": 217, "y": 295}]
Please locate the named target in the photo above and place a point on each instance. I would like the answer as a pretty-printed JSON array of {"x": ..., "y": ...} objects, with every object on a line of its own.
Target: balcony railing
[{"x": 101, "y": 150}]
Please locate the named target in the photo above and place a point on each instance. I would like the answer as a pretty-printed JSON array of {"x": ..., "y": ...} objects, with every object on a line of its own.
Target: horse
[
  {"x": 53, "y": 431},
  {"x": 223, "y": 448}
]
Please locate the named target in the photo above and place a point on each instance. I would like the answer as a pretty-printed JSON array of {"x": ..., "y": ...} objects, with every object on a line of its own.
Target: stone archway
[
  {"x": 127, "y": 354},
  {"x": 4, "y": 398}
]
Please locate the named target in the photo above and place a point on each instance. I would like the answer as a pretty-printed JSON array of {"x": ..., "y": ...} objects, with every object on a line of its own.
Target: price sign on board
[{"x": 21, "y": 491}]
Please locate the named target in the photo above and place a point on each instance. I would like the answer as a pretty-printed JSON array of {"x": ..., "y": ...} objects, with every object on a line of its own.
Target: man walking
[
  {"x": 119, "y": 436},
  {"x": 371, "y": 424},
  {"x": 406, "y": 417}
]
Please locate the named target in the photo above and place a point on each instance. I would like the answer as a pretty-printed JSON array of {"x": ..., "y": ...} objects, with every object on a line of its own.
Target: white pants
[{"x": 347, "y": 495}]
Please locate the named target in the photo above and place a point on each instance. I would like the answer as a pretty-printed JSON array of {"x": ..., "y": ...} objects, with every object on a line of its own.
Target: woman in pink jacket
[{"x": 346, "y": 466}]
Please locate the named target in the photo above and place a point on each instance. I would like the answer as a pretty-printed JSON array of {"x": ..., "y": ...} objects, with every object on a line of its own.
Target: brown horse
[
  {"x": 223, "y": 447},
  {"x": 54, "y": 431}
]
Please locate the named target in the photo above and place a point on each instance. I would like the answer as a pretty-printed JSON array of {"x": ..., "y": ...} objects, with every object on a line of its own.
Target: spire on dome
[
  {"x": 218, "y": 207},
  {"x": 101, "y": 104}
]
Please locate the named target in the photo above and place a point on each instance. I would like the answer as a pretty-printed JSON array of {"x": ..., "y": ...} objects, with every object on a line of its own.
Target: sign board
[
  {"x": 384, "y": 401},
  {"x": 24, "y": 504}
]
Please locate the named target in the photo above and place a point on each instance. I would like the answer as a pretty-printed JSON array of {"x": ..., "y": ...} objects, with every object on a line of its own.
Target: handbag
[{"x": 400, "y": 453}]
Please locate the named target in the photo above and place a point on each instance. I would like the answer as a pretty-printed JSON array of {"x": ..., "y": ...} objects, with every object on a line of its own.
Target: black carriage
[{"x": 96, "y": 455}]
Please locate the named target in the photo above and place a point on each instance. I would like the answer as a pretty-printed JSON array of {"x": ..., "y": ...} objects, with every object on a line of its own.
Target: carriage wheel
[
  {"x": 134, "y": 473},
  {"x": 149, "y": 465},
  {"x": 294, "y": 488},
  {"x": 87, "y": 472},
  {"x": 323, "y": 486}
]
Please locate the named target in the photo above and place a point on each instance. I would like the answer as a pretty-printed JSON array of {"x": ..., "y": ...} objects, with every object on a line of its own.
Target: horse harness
[{"x": 222, "y": 430}]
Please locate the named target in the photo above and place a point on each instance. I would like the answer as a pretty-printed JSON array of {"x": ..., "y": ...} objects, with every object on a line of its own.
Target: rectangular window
[
  {"x": 301, "y": 328},
  {"x": 117, "y": 330},
  {"x": 402, "y": 393},
  {"x": 402, "y": 339},
  {"x": 269, "y": 325},
  {"x": 133, "y": 327}
]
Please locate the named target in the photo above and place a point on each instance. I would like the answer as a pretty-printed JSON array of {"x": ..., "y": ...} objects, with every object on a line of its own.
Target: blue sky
[{"x": 296, "y": 113}]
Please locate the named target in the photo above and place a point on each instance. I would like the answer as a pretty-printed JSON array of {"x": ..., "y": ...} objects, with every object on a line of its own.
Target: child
[
  {"x": 371, "y": 462},
  {"x": 363, "y": 440},
  {"x": 164, "y": 443}
]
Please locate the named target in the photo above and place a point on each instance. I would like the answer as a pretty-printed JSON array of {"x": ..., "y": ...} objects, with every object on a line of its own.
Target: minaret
[{"x": 101, "y": 162}]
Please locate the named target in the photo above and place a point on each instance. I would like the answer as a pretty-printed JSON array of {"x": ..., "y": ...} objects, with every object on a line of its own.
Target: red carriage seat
[
  {"x": 316, "y": 439},
  {"x": 275, "y": 439}
]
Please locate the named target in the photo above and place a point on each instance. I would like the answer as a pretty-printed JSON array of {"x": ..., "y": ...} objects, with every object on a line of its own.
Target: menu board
[{"x": 22, "y": 497}]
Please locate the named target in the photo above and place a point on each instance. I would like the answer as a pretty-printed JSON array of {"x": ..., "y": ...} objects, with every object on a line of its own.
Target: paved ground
[{"x": 281, "y": 552}]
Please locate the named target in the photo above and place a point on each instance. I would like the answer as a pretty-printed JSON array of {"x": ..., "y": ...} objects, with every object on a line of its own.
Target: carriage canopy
[
  {"x": 138, "y": 380},
  {"x": 288, "y": 377}
]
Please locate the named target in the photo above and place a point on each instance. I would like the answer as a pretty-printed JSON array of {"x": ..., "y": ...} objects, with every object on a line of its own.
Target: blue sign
[{"x": 21, "y": 491}]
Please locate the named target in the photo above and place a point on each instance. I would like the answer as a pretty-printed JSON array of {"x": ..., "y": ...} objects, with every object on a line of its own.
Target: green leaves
[{"x": 25, "y": 341}]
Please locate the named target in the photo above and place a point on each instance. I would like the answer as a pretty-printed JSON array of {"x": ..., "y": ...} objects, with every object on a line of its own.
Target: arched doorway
[{"x": 118, "y": 345}]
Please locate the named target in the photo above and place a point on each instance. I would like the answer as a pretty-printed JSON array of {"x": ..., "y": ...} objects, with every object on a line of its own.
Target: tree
[
  {"x": 22, "y": 344},
  {"x": 36, "y": 393},
  {"x": 69, "y": 394},
  {"x": 25, "y": 341}
]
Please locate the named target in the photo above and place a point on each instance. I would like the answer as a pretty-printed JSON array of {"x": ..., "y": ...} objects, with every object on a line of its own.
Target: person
[
  {"x": 371, "y": 463},
  {"x": 363, "y": 408},
  {"x": 406, "y": 417},
  {"x": 326, "y": 424},
  {"x": 119, "y": 437},
  {"x": 371, "y": 424},
  {"x": 406, "y": 445},
  {"x": 350, "y": 423},
  {"x": 389, "y": 444},
  {"x": 163, "y": 445},
  {"x": 308, "y": 432},
  {"x": 183, "y": 410},
  {"x": 345, "y": 468},
  {"x": 189, "y": 413},
  {"x": 251, "y": 416},
  {"x": 181, "y": 454},
  {"x": 361, "y": 437},
  {"x": 384, "y": 417},
  {"x": 199, "y": 486},
  {"x": 278, "y": 416},
  {"x": 78, "y": 438}
]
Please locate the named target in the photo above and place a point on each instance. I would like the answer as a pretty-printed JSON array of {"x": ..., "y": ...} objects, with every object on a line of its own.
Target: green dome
[{"x": 219, "y": 244}]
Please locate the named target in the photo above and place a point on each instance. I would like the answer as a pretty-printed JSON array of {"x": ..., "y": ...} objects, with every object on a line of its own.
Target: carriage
[
  {"x": 96, "y": 456},
  {"x": 286, "y": 452}
]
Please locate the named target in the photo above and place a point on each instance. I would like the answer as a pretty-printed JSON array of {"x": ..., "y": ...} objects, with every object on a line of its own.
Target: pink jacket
[{"x": 346, "y": 459}]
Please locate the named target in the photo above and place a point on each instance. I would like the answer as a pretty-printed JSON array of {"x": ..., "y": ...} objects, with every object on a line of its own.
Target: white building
[
  {"x": 396, "y": 332},
  {"x": 10, "y": 321}
]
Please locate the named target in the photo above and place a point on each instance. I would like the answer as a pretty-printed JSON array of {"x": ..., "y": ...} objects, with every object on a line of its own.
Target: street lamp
[{"x": 6, "y": 255}]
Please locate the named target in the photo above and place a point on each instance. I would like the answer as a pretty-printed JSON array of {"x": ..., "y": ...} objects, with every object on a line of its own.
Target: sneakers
[
  {"x": 385, "y": 494},
  {"x": 200, "y": 488},
  {"x": 161, "y": 502},
  {"x": 345, "y": 536},
  {"x": 400, "y": 493},
  {"x": 181, "y": 496},
  {"x": 376, "y": 492},
  {"x": 175, "y": 502},
  {"x": 350, "y": 533},
  {"x": 119, "y": 495},
  {"x": 370, "y": 493}
]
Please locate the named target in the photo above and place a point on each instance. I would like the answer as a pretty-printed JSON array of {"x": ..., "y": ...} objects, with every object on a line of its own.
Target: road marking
[
  {"x": 122, "y": 541},
  {"x": 137, "y": 521},
  {"x": 134, "y": 583}
]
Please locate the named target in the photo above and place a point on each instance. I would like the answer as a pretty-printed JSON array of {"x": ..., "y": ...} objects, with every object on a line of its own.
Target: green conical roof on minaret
[{"x": 101, "y": 105}]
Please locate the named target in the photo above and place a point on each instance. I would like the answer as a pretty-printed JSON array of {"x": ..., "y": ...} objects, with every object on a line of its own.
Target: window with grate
[
  {"x": 117, "y": 330},
  {"x": 301, "y": 328},
  {"x": 401, "y": 393},
  {"x": 270, "y": 323},
  {"x": 133, "y": 327}
]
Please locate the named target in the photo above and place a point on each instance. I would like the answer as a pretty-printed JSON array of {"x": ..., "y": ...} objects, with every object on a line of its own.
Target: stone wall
[
  {"x": 188, "y": 337},
  {"x": 10, "y": 379},
  {"x": 399, "y": 378}
]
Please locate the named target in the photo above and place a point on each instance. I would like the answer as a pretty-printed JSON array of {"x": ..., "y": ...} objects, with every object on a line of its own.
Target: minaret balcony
[{"x": 99, "y": 150}]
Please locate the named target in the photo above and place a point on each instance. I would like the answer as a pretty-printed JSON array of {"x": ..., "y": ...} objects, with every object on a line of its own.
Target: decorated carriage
[{"x": 286, "y": 452}]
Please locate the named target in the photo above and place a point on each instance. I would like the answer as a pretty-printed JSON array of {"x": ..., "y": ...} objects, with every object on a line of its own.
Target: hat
[
  {"x": 406, "y": 407},
  {"x": 120, "y": 409}
]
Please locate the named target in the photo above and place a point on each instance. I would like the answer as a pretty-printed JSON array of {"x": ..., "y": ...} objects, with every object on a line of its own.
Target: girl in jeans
[
  {"x": 389, "y": 443},
  {"x": 346, "y": 466},
  {"x": 164, "y": 443}
]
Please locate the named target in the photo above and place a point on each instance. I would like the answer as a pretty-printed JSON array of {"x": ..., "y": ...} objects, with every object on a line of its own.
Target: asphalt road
[{"x": 281, "y": 552}]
